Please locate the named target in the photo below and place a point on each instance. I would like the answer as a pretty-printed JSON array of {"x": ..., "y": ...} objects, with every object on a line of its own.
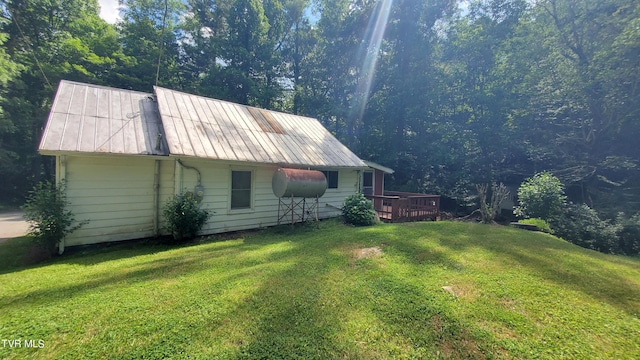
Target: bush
[
  {"x": 358, "y": 210},
  {"x": 45, "y": 210},
  {"x": 541, "y": 196},
  {"x": 183, "y": 216},
  {"x": 581, "y": 225},
  {"x": 539, "y": 223},
  {"x": 629, "y": 235}
]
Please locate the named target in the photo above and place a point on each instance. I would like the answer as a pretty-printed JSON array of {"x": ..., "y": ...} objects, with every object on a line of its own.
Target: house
[
  {"x": 396, "y": 206},
  {"x": 373, "y": 178},
  {"x": 122, "y": 154}
]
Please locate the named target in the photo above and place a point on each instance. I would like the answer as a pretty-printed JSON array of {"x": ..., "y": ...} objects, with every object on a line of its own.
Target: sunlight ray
[{"x": 369, "y": 53}]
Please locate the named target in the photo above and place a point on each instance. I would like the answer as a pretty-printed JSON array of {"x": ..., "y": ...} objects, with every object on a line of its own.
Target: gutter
[
  {"x": 156, "y": 199},
  {"x": 61, "y": 176}
]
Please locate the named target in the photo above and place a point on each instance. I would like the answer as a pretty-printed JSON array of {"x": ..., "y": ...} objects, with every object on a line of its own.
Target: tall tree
[
  {"x": 398, "y": 117},
  {"x": 49, "y": 40},
  {"x": 587, "y": 109},
  {"x": 149, "y": 35}
]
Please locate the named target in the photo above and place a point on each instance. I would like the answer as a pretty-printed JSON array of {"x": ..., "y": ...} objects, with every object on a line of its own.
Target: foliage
[
  {"x": 629, "y": 234},
  {"x": 8, "y": 70},
  {"x": 540, "y": 196},
  {"x": 48, "y": 40},
  {"x": 539, "y": 223},
  {"x": 45, "y": 210},
  {"x": 489, "y": 211},
  {"x": 582, "y": 226},
  {"x": 448, "y": 96},
  {"x": 514, "y": 294},
  {"x": 183, "y": 216},
  {"x": 358, "y": 210}
]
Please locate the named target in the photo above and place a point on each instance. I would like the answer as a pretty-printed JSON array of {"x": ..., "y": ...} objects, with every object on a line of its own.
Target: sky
[{"x": 109, "y": 10}]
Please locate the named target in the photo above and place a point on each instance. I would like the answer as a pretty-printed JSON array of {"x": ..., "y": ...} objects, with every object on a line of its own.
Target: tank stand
[{"x": 297, "y": 210}]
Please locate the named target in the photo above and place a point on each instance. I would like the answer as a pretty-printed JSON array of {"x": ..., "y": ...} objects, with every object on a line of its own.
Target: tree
[
  {"x": 48, "y": 40},
  {"x": 489, "y": 210},
  {"x": 541, "y": 196},
  {"x": 149, "y": 36},
  {"x": 582, "y": 110}
]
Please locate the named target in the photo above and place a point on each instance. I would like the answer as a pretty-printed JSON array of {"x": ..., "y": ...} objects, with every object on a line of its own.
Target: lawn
[{"x": 422, "y": 290}]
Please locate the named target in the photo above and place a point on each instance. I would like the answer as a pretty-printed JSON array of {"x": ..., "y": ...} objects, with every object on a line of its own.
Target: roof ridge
[
  {"x": 233, "y": 103},
  {"x": 103, "y": 87}
]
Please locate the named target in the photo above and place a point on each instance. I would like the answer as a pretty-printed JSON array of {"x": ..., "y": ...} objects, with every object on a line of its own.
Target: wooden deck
[{"x": 395, "y": 206}]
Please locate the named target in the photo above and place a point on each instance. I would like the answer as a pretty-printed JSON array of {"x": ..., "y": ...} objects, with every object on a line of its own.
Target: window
[
  {"x": 240, "y": 190},
  {"x": 367, "y": 183},
  {"x": 332, "y": 179}
]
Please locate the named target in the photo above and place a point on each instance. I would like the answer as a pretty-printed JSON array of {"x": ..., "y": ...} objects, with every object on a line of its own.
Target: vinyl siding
[
  {"x": 115, "y": 194},
  {"x": 216, "y": 178}
]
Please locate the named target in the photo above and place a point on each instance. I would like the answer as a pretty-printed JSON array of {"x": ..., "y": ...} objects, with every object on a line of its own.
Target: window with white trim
[{"x": 241, "y": 189}]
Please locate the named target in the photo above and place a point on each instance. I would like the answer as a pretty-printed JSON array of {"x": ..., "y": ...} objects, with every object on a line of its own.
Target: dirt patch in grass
[
  {"x": 461, "y": 291},
  {"x": 366, "y": 253}
]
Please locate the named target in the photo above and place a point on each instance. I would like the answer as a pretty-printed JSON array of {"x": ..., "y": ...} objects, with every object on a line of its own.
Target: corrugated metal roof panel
[
  {"x": 97, "y": 119},
  {"x": 195, "y": 125}
]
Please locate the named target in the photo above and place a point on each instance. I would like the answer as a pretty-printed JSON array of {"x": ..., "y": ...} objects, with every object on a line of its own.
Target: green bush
[
  {"x": 539, "y": 223},
  {"x": 629, "y": 235},
  {"x": 183, "y": 216},
  {"x": 358, "y": 210},
  {"x": 581, "y": 225},
  {"x": 45, "y": 210},
  {"x": 541, "y": 196}
]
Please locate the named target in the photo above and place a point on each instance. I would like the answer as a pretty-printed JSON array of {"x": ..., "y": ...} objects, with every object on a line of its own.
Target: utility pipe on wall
[
  {"x": 156, "y": 199},
  {"x": 198, "y": 191},
  {"x": 61, "y": 175}
]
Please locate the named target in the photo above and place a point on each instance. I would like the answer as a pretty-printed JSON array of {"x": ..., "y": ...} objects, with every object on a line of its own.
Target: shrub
[
  {"x": 582, "y": 226},
  {"x": 45, "y": 210},
  {"x": 539, "y": 223},
  {"x": 358, "y": 210},
  {"x": 541, "y": 196},
  {"x": 629, "y": 235},
  {"x": 183, "y": 216}
]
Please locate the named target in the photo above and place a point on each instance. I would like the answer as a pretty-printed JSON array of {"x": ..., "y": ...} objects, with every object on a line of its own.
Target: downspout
[
  {"x": 61, "y": 176},
  {"x": 156, "y": 199}
]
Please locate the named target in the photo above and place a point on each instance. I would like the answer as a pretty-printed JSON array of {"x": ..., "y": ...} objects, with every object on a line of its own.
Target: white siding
[
  {"x": 216, "y": 177},
  {"x": 115, "y": 194}
]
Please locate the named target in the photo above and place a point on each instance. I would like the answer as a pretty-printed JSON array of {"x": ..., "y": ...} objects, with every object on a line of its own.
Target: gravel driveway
[{"x": 12, "y": 225}]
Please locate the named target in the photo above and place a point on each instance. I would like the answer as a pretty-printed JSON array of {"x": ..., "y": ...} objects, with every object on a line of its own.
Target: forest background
[{"x": 448, "y": 93}]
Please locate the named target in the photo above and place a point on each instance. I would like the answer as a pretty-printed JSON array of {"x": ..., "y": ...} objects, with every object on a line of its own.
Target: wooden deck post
[{"x": 395, "y": 210}]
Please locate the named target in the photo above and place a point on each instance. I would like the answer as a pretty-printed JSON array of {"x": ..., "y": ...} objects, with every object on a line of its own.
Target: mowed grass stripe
[{"x": 336, "y": 292}]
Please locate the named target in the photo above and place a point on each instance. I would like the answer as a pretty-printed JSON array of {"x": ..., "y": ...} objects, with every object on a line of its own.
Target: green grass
[
  {"x": 14, "y": 253},
  {"x": 306, "y": 294}
]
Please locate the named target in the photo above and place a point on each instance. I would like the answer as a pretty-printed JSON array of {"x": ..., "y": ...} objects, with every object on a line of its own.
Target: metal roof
[
  {"x": 208, "y": 128},
  {"x": 96, "y": 119},
  {"x": 376, "y": 166}
]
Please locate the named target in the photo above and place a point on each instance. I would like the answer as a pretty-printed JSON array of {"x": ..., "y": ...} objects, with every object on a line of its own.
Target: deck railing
[{"x": 395, "y": 206}]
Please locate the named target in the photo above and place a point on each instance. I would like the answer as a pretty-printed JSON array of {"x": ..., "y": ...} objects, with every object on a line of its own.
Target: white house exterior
[{"x": 123, "y": 154}]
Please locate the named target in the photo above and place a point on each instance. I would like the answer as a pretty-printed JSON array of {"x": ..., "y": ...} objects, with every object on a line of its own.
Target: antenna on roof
[{"x": 164, "y": 19}]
